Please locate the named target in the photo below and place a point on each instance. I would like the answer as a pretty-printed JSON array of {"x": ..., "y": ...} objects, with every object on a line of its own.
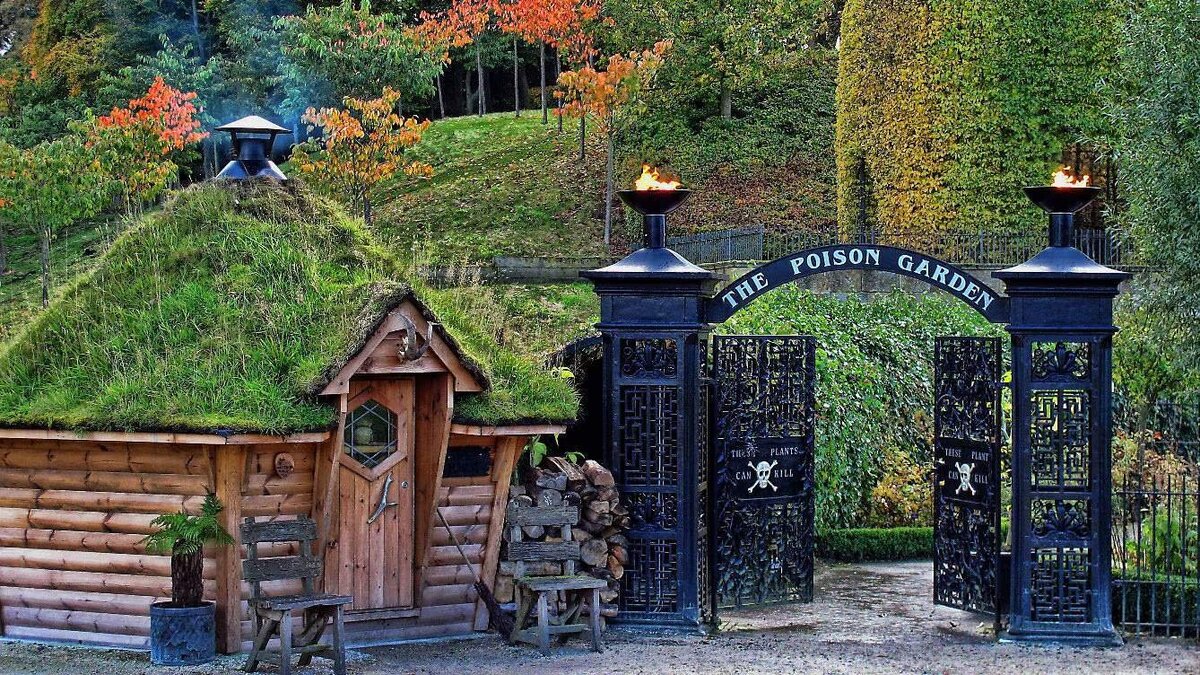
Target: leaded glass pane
[{"x": 370, "y": 434}]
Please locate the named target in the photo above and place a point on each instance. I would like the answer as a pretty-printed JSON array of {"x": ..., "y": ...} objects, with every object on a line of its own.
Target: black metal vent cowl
[{"x": 253, "y": 137}]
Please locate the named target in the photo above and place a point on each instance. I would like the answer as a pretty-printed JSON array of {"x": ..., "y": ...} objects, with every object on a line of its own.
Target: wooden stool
[
  {"x": 539, "y": 590},
  {"x": 274, "y": 614}
]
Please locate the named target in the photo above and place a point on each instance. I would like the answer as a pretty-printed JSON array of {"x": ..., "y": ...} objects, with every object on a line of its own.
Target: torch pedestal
[
  {"x": 1061, "y": 328},
  {"x": 655, "y": 342}
]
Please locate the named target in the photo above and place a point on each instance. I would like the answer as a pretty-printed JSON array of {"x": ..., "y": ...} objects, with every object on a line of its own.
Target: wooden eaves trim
[
  {"x": 161, "y": 437},
  {"x": 507, "y": 430}
]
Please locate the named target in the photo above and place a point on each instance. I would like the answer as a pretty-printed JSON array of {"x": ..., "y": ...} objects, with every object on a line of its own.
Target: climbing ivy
[{"x": 947, "y": 107}]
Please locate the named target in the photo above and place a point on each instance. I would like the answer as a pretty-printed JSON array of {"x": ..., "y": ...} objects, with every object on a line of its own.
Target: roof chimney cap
[{"x": 253, "y": 124}]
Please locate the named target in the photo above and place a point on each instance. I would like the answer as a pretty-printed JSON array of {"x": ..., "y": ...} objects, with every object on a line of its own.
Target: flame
[
  {"x": 651, "y": 180},
  {"x": 1064, "y": 179}
]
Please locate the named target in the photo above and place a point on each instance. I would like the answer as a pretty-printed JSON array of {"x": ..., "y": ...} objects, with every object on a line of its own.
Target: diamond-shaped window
[{"x": 370, "y": 434}]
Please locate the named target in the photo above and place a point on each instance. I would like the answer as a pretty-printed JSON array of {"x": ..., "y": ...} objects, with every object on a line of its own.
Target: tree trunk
[
  {"x": 542, "y": 75},
  {"x": 608, "y": 187},
  {"x": 479, "y": 75},
  {"x": 201, "y": 52},
  {"x": 187, "y": 578},
  {"x": 467, "y": 91},
  {"x": 726, "y": 101},
  {"x": 516, "y": 79},
  {"x": 3, "y": 250},
  {"x": 583, "y": 135},
  {"x": 366, "y": 200},
  {"x": 44, "y": 246},
  {"x": 558, "y": 74},
  {"x": 441, "y": 99}
]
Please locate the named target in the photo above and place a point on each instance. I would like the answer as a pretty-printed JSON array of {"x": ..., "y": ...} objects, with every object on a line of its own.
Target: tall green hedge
[{"x": 947, "y": 107}]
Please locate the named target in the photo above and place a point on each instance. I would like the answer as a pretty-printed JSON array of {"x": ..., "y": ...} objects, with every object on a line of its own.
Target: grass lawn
[
  {"x": 21, "y": 287},
  {"x": 501, "y": 186}
]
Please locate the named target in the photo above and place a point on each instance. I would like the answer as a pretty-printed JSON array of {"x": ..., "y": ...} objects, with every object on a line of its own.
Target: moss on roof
[{"x": 229, "y": 309}]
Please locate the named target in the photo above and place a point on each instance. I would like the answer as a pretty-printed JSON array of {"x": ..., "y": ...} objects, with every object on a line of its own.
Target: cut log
[
  {"x": 594, "y": 552},
  {"x": 110, "y": 603},
  {"x": 120, "y": 457},
  {"x": 77, "y": 561},
  {"x": 619, "y": 553},
  {"x": 549, "y": 497},
  {"x": 575, "y": 477},
  {"x": 105, "y": 481},
  {"x": 616, "y": 568},
  {"x": 67, "y": 540},
  {"x": 85, "y": 521},
  {"x": 598, "y": 475},
  {"x": 93, "y": 622},
  {"x": 534, "y": 531}
]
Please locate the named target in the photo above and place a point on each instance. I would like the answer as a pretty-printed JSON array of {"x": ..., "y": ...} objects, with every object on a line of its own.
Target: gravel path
[{"x": 871, "y": 618}]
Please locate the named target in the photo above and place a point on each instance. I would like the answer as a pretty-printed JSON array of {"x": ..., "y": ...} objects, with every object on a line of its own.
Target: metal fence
[
  {"x": 984, "y": 248},
  {"x": 1156, "y": 519}
]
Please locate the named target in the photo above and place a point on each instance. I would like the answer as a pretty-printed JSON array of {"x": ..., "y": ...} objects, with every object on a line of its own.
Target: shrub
[{"x": 865, "y": 544}]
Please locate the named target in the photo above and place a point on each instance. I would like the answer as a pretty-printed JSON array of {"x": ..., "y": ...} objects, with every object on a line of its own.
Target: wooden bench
[
  {"x": 273, "y": 615},
  {"x": 537, "y": 591}
]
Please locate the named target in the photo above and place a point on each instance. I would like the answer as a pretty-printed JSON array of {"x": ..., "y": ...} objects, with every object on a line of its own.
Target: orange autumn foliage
[
  {"x": 601, "y": 93},
  {"x": 361, "y": 145},
  {"x": 133, "y": 145}
]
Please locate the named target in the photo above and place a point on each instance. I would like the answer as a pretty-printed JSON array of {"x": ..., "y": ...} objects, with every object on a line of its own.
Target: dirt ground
[{"x": 871, "y": 618}]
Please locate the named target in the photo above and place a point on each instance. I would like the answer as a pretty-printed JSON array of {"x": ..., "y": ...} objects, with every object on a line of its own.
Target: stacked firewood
[{"x": 603, "y": 522}]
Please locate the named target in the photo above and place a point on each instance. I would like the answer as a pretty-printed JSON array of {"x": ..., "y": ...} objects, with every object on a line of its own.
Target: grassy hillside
[{"x": 501, "y": 186}]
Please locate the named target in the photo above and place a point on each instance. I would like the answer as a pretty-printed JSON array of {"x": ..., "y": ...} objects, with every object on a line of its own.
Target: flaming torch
[
  {"x": 1061, "y": 199},
  {"x": 654, "y": 198}
]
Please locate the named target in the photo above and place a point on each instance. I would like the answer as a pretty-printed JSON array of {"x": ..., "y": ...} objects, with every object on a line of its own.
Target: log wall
[{"x": 72, "y": 517}]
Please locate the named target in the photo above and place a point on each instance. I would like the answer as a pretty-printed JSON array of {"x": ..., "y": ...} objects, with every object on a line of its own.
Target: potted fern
[{"x": 183, "y": 630}]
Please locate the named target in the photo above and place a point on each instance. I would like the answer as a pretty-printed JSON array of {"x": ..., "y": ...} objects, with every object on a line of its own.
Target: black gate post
[
  {"x": 656, "y": 419},
  {"x": 1061, "y": 327}
]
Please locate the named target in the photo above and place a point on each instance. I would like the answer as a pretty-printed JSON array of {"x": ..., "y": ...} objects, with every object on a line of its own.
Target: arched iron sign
[{"x": 955, "y": 281}]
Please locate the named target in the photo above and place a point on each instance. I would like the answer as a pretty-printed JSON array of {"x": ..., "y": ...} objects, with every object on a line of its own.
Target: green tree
[
  {"x": 47, "y": 187},
  {"x": 346, "y": 51},
  {"x": 1156, "y": 110}
]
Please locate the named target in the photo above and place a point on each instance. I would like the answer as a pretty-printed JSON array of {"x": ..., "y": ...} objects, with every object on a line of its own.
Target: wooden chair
[
  {"x": 540, "y": 590},
  {"x": 274, "y": 614}
]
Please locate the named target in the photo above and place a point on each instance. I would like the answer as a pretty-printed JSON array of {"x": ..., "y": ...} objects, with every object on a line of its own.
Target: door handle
[{"x": 384, "y": 504}]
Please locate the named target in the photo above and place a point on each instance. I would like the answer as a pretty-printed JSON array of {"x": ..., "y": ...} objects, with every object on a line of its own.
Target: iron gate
[
  {"x": 966, "y": 490},
  {"x": 763, "y": 493}
]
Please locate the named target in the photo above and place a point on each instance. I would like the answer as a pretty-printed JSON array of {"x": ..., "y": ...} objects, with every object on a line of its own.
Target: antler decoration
[{"x": 410, "y": 351}]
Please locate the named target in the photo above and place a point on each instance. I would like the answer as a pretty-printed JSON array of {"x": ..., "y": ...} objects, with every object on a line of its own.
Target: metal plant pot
[{"x": 182, "y": 636}]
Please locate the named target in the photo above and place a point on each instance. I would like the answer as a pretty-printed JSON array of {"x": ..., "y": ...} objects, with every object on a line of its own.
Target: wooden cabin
[{"x": 75, "y": 505}]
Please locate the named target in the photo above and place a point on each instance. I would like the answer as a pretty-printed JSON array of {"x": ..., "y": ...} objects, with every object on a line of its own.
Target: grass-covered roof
[{"x": 230, "y": 308}]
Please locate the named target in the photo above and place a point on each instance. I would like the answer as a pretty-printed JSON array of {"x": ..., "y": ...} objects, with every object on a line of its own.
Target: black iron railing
[
  {"x": 984, "y": 248},
  {"x": 1156, "y": 520}
]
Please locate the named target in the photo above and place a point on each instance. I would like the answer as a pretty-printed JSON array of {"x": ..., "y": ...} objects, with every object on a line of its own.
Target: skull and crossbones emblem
[
  {"x": 964, "y": 477},
  {"x": 763, "y": 471}
]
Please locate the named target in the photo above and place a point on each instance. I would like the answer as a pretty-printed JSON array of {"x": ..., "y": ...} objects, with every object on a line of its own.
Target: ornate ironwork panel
[
  {"x": 650, "y": 358},
  {"x": 649, "y": 432},
  {"x": 652, "y": 585},
  {"x": 763, "y": 496},
  {"x": 967, "y": 473},
  {"x": 1059, "y": 439},
  {"x": 1061, "y": 585}
]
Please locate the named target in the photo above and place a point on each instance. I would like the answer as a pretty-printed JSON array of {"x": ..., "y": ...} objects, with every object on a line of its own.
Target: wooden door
[{"x": 373, "y": 553}]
